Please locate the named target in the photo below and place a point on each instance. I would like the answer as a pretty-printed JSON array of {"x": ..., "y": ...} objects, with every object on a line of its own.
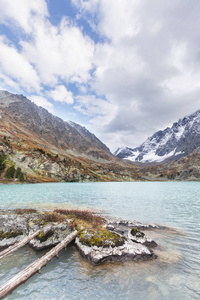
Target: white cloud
[
  {"x": 116, "y": 20},
  {"x": 143, "y": 72},
  {"x": 148, "y": 64},
  {"x": 61, "y": 94},
  {"x": 59, "y": 53},
  {"x": 116, "y": 70},
  {"x": 100, "y": 110},
  {"x": 14, "y": 68},
  {"x": 20, "y": 13},
  {"x": 41, "y": 101},
  {"x": 47, "y": 55},
  {"x": 186, "y": 78}
]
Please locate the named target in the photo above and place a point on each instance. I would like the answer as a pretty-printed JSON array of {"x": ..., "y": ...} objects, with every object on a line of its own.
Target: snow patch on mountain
[{"x": 179, "y": 140}]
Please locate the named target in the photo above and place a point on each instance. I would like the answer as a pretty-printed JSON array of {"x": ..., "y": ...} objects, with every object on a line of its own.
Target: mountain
[
  {"x": 186, "y": 168},
  {"x": 169, "y": 144},
  {"x": 46, "y": 148},
  {"x": 36, "y": 146},
  {"x": 37, "y": 120}
]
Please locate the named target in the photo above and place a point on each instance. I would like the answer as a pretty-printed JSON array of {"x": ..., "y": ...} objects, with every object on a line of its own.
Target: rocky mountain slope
[
  {"x": 169, "y": 144},
  {"x": 37, "y": 120},
  {"x": 186, "y": 168},
  {"x": 45, "y": 148},
  {"x": 36, "y": 146}
]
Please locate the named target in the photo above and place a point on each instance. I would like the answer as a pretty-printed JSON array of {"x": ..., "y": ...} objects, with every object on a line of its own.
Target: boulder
[
  {"x": 128, "y": 251},
  {"x": 50, "y": 235},
  {"x": 139, "y": 237},
  {"x": 113, "y": 242},
  {"x": 14, "y": 227}
]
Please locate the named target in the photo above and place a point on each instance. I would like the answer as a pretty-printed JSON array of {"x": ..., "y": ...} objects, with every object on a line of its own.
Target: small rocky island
[{"x": 98, "y": 240}]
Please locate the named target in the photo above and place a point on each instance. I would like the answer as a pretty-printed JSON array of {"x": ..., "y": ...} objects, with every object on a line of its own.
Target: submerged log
[
  {"x": 18, "y": 245},
  {"x": 35, "y": 267}
]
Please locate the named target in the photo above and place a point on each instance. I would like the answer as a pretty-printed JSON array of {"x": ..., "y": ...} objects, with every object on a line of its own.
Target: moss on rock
[
  {"x": 137, "y": 233},
  {"x": 10, "y": 234},
  {"x": 101, "y": 238},
  {"x": 42, "y": 237}
]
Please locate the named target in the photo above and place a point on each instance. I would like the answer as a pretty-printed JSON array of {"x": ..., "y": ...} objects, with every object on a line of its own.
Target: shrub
[
  {"x": 49, "y": 155},
  {"x": 10, "y": 172},
  {"x": 19, "y": 174},
  {"x": 40, "y": 150},
  {"x": 2, "y": 162},
  {"x": 21, "y": 177},
  {"x": 7, "y": 143}
]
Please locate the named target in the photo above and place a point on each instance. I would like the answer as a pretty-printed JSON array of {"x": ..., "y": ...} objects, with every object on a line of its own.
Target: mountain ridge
[
  {"x": 36, "y": 146},
  {"x": 168, "y": 144},
  {"x": 49, "y": 127},
  {"x": 46, "y": 148}
]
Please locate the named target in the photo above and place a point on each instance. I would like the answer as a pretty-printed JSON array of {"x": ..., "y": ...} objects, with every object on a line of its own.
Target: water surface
[{"x": 174, "y": 275}]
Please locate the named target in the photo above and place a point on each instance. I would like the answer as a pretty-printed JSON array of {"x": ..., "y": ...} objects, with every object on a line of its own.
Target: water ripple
[{"x": 174, "y": 275}]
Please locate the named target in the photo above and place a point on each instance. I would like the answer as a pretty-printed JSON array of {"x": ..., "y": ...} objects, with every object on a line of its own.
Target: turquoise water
[{"x": 174, "y": 275}]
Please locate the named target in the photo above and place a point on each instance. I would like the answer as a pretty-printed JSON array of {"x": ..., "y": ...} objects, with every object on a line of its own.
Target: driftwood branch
[
  {"x": 18, "y": 245},
  {"x": 35, "y": 267}
]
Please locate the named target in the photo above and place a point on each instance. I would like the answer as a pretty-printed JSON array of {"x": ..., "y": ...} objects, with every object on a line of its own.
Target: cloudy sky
[{"x": 123, "y": 69}]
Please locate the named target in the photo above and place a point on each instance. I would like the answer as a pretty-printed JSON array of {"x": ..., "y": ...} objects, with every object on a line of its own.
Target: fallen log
[
  {"x": 35, "y": 267},
  {"x": 18, "y": 245}
]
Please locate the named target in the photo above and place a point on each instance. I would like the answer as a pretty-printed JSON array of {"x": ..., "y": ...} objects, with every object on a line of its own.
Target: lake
[{"x": 173, "y": 275}]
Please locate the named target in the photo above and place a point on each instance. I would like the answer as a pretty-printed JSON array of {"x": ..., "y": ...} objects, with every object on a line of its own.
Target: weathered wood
[
  {"x": 18, "y": 245},
  {"x": 35, "y": 267}
]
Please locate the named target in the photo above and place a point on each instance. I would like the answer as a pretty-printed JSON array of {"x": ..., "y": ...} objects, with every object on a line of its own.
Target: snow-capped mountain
[{"x": 172, "y": 143}]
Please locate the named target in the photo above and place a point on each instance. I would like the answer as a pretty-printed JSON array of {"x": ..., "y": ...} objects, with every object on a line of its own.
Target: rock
[
  {"x": 136, "y": 224},
  {"x": 102, "y": 246},
  {"x": 5, "y": 243},
  {"x": 119, "y": 231},
  {"x": 115, "y": 242},
  {"x": 139, "y": 237},
  {"x": 110, "y": 227},
  {"x": 50, "y": 235},
  {"x": 14, "y": 227},
  {"x": 128, "y": 251},
  {"x": 150, "y": 243},
  {"x": 10, "y": 221}
]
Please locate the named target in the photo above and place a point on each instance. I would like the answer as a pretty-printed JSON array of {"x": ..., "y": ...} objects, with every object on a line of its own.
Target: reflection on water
[{"x": 173, "y": 275}]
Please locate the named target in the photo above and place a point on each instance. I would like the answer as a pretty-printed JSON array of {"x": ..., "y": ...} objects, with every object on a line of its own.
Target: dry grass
[
  {"x": 21, "y": 211},
  {"x": 84, "y": 215},
  {"x": 52, "y": 217}
]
